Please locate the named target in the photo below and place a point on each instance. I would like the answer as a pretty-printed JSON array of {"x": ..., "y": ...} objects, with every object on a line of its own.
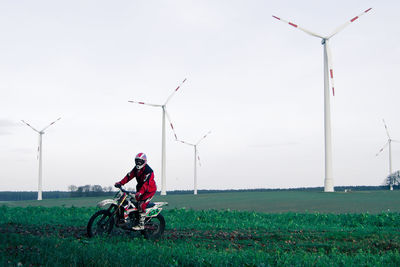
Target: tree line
[
  {"x": 73, "y": 191},
  {"x": 97, "y": 190},
  {"x": 90, "y": 190},
  {"x": 393, "y": 179},
  {"x": 93, "y": 190}
]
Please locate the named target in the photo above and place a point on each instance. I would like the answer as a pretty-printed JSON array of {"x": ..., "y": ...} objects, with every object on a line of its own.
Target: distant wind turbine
[
  {"x": 163, "y": 145},
  {"x": 40, "y": 154},
  {"x": 328, "y": 75},
  {"x": 196, "y": 157},
  {"x": 388, "y": 143}
]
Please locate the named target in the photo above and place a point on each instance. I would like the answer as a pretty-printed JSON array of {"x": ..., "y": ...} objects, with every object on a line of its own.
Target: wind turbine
[
  {"x": 328, "y": 75},
  {"x": 40, "y": 154},
  {"x": 196, "y": 157},
  {"x": 388, "y": 143},
  {"x": 163, "y": 145}
]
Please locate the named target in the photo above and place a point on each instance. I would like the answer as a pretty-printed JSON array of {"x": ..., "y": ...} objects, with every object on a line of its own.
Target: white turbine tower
[
  {"x": 196, "y": 157},
  {"x": 328, "y": 74},
  {"x": 163, "y": 145},
  {"x": 40, "y": 154},
  {"x": 388, "y": 143}
]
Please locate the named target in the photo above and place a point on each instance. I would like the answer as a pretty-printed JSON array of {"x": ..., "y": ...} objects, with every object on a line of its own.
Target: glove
[
  {"x": 137, "y": 196},
  {"x": 117, "y": 185}
]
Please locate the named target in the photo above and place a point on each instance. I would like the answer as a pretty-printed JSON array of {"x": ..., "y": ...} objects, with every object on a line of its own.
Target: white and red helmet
[{"x": 140, "y": 160}]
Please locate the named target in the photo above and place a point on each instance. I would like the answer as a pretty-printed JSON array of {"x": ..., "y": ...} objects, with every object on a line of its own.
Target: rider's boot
[
  {"x": 140, "y": 223},
  {"x": 126, "y": 215}
]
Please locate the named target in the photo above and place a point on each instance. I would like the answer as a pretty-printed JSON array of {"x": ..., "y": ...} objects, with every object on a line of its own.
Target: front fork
[{"x": 113, "y": 209}]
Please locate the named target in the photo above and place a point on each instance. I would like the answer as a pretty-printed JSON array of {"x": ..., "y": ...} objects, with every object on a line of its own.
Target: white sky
[{"x": 255, "y": 82}]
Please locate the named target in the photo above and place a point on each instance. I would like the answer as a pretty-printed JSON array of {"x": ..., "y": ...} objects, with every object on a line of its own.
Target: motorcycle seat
[{"x": 150, "y": 205}]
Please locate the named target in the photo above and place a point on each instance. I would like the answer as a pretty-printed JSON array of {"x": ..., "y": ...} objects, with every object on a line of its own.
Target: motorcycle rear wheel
[
  {"x": 100, "y": 223},
  {"x": 155, "y": 228}
]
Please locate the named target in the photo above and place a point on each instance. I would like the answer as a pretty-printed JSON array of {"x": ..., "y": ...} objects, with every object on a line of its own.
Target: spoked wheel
[
  {"x": 100, "y": 223},
  {"x": 155, "y": 228}
]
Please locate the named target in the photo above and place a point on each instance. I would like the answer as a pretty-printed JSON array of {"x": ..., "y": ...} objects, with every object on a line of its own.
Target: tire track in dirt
[
  {"x": 80, "y": 232},
  {"x": 310, "y": 240},
  {"x": 44, "y": 230}
]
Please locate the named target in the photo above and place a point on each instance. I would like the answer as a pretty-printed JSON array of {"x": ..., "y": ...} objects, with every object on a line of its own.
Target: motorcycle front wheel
[
  {"x": 100, "y": 223},
  {"x": 154, "y": 228}
]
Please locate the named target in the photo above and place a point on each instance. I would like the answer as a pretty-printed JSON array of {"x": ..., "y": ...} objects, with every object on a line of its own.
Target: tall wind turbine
[
  {"x": 388, "y": 143},
  {"x": 196, "y": 157},
  {"x": 328, "y": 75},
  {"x": 40, "y": 154},
  {"x": 163, "y": 145}
]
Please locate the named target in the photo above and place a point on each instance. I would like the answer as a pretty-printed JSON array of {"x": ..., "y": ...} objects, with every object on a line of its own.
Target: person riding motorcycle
[{"x": 145, "y": 188}]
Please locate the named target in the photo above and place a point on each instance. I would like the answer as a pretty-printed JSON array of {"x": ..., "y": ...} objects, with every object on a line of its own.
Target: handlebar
[{"x": 126, "y": 191}]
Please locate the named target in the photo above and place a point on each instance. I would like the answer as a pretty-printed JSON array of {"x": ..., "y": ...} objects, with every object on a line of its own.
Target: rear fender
[
  {"x": 160, "y": 204},
  {"x": 153, "y": 211}
]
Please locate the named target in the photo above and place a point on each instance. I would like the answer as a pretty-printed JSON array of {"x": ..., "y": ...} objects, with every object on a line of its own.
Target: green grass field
[
  {"x": 271, "y": 202},
  {"x": 220, "y": 229}
]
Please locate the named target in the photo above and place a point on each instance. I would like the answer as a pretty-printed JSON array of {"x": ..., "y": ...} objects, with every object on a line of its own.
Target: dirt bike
[{"x": 123, "y": 214}]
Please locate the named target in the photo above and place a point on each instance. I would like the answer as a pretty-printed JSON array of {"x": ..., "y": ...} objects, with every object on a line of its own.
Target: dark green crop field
[
  {"x": 223, "y": 229},
  {"x": 271, "y": 202}
]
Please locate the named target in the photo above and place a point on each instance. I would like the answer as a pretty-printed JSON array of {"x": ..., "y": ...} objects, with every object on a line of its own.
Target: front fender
[{"x": 106, "y": 202}]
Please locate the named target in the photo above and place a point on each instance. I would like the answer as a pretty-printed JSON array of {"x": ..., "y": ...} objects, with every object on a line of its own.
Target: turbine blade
[
  {"x": 383, "y": 148},
  {"x": 330, "y": 67},
  {"x": 38, "y": 149},
  {"x": 30, "y": 126},
  {"x": 177, "y": 88},
  {"x": 198, "y": 157},
  {"x": 170, "y": 123},
  {"x": 142, "y": 103},
  {"x": 50, "y": 124},
  {"x": 185, "y": 142},
  {"x": 387, "y": 131},
  {"x": 298, "y": 27},
  {"x": 348, "y": 22},
  {"x": 201, "y": 139},
  {"x": 396, "y": 141}
]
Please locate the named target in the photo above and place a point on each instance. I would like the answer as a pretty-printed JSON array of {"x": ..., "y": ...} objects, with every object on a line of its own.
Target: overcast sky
[{"x": 254, "y": 81}]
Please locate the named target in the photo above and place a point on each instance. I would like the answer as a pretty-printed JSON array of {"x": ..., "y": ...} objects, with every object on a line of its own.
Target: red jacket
[{"x": 145, "y": 180}]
